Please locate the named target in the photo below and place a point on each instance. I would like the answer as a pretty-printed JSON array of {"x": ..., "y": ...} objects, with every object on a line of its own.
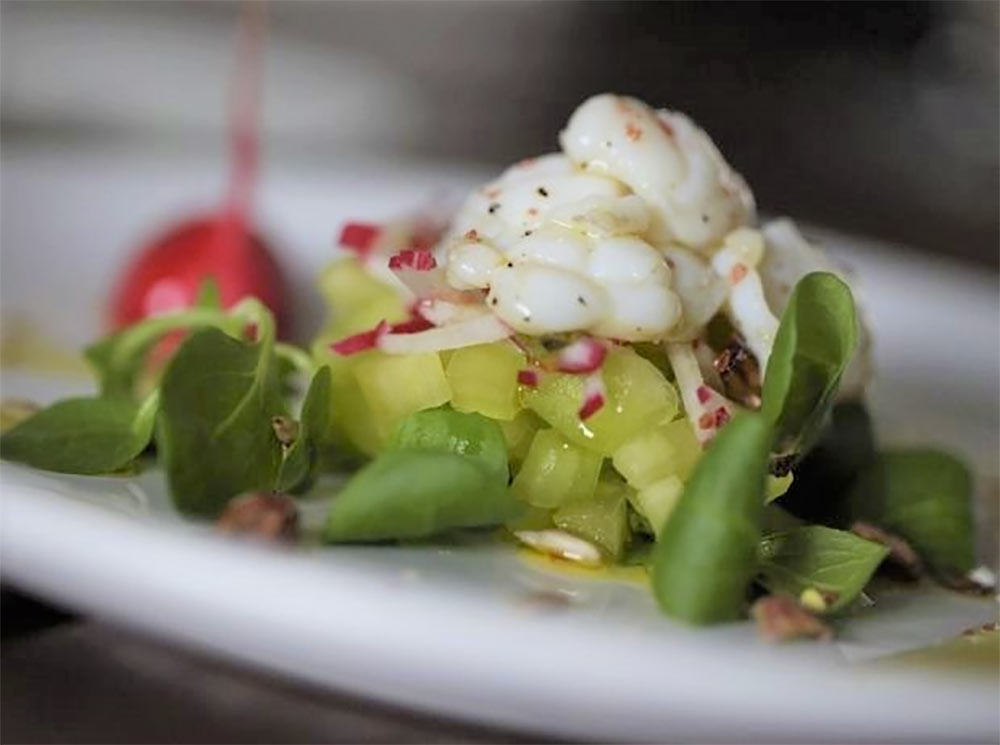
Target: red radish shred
[
  {"x": 721, "y": 416},
  {"x": 585, "y": 355},
  {"x": 481, "y": 329},
  {"x": 359, "y": 237},
  {"x": 528, "y": 378},
  {"x": 416, "y": 324},
  {"x": 593, "y": 397},
  {"x": 360, "y": 342},
  {"x": 419, "y": 260},
  {"x": 704, "y": 394}
]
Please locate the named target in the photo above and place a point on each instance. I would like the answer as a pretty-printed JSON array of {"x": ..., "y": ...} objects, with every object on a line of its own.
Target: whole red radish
[{"x": 166, "y": 274}]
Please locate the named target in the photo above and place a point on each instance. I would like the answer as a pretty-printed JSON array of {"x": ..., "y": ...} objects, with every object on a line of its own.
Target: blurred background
[{"x": 875, "y": 118}]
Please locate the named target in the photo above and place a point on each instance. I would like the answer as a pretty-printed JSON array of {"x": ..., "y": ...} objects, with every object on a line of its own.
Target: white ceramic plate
[{"x": 476, "y": 632}]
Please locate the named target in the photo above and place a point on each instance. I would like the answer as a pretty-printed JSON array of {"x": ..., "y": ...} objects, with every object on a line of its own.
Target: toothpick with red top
[{"x": 166, "y": 274}]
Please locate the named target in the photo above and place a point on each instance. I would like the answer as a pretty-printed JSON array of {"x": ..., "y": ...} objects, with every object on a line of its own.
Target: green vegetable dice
[
  {"x": 668, "y": 450},
  {"x": 556, "y": 471},
  {"x": 351, "y": 292},
  {"x": 518, "y": 433},
  {"x": 483, "y": 379},
  {"x": 657, "y": 500},
  {"x": 602, "y": 520},
  {"x": 394, "y": 386},
  {"x": 638, "y": 398}
]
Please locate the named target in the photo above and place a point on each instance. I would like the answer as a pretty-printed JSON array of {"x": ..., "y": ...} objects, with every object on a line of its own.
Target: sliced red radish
[
  {"x": 416, "y": 324},
  {"x": 585, "y": 355},
  {"x": 706, "y": 408},
  {"x": 483, "y": 329},
  {"x": 594, "y": 396},
  {"x": 359, "y": 237},
  {"x": 418, "y": 260},
  {"x": 361, "y": 342},
  {"x": 528, "y": 378}
]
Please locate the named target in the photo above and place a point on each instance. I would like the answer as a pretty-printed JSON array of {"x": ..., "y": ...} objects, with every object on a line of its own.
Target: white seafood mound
[{"x": 638, "y": 231}]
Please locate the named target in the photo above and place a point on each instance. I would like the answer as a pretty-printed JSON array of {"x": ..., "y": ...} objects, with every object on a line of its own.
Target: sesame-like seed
[
  {"x": 580, "y": 300},
  {"x": 493, "y": 207},
  {"x": 510, "y": 264},
  {"x": 543, "y": 191},
  {"x": 527, "y": 233}
]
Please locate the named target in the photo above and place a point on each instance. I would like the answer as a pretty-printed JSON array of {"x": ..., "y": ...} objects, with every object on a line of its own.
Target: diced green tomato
[
  {"x": 394, "y": 386},
  {"x": 533, "y": 518},
  {"x": 351, "y": 423},
  {"x": 602, "y": 520},
  {"x": 518, "y": 433},
  {"x": 638, "y": 398},
  {"x": 658, "y": 500},
  {"x": 349, "y": 288},
  {"x": 652, "y": 455},
  {"x": 775, "y": 486},
  {"x": 556, "y": 471},
  {"x": 483, "y": 379}
]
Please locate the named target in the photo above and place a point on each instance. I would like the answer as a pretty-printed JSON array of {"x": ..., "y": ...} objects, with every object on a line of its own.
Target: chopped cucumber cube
[
  {"x": 556, "y": 471},
  {"x": 350, "y": 291},
  {"x": 658, "y": 500},
  {"x": 394, "y": 386},
  {"x": 483, "y": 379},
  {"x": 652, "y": 455},
  {"x": 602, "y": 520},
  {"x": 638, "y": 398},
  {"x": 518, "y": 433}
]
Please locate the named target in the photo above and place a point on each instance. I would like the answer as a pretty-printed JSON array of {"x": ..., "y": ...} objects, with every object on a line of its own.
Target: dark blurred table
[{"x": 70, "y": 679}]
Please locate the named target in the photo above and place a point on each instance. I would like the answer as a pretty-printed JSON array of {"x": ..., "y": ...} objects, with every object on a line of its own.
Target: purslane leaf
[
  {"x": 416, "y": 494},
  {"x": 835, "y": 562},
  {"x": 707, "y": 551},
  {"x": 214, "y": 434},
  {"x": 815, "y": 342},
  {"x": 925, "y": 497},
  {"x": 298, "y": 467},
  {"x": 83, "y": 435}
]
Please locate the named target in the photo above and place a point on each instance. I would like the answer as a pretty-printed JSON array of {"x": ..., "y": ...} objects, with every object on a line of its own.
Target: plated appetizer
[{"x": 603, "y": 355}]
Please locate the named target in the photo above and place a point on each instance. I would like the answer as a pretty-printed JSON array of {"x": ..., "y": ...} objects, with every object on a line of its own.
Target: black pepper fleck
[
  {"x": 580, "y": 300},
  {"x": 704, "y": 218},
  {"x": 543, "y": 191},
  {"x": 607, "y": 143},
  {"x": 510, "y": 264},
  {"x": 494, "y": 301},
  {"x": 527, "y": 233},
  {"x": 493, "y": 207}
]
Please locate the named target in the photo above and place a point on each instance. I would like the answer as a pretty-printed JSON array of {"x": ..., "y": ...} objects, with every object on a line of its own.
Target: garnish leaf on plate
[
  {"x": 707, "y": 551},
  {"x": 118, "y": 359},
  {"x": 923, "y": 496},
  {"x": 299, "y": 466},
  {"x": 415, "y": 494},
  {"x": 836, "y": 563},
  {"x": 83, "y": 435},
  {"x": 815, "y": 341},
  {"x": 215, "y": 437}
]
